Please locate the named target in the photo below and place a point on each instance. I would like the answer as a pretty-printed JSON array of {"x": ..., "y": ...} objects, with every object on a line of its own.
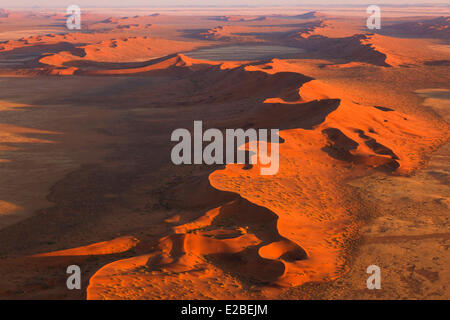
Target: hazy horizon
[{"x": 204, "y": 3}]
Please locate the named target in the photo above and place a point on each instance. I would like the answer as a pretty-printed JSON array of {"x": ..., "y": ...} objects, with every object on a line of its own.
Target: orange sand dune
[
  {"x": 253, "y": 236},
  {"x": 231, "y": 33},
  {"x": 7, "y": 105},
  {"x": 433, "y": 28},
  {"x": 59, "y": 53},
  {"x": 287, "y": 229},
  {"x": 257, "y": 33},
  {"x": 131, "y": 49},
  {"x": 6, "y": 207},
  {"x": 117, "y": 245},
  {"x": 353, "y": 48},
  {"x": 323, "y": 233},
  {"x": 309, "y": 15},
  {"x": 331, "y": 38},
  {"x": 404, "y": 52},
  {"x": 177, "y": 60},
  {"x": 183, "y": 259},
  {"x": 14, "y": 134},
  {"x": 338, "y": 28},
  {"x": 43, "y": 41}
]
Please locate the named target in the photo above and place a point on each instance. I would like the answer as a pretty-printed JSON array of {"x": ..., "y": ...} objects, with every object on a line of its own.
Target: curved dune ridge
[{"x": 283, "y": 230}]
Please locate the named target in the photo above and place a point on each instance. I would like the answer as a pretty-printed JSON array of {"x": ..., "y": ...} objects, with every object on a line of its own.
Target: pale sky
[{"x": 190, "y": 3}]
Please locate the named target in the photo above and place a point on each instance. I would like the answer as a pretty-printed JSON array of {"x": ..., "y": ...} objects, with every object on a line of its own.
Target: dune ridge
[{"x": 312, "y": 212}]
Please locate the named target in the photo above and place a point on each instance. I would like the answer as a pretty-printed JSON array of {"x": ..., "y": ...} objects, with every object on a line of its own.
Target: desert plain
[{"x": 86, "y": 176}]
